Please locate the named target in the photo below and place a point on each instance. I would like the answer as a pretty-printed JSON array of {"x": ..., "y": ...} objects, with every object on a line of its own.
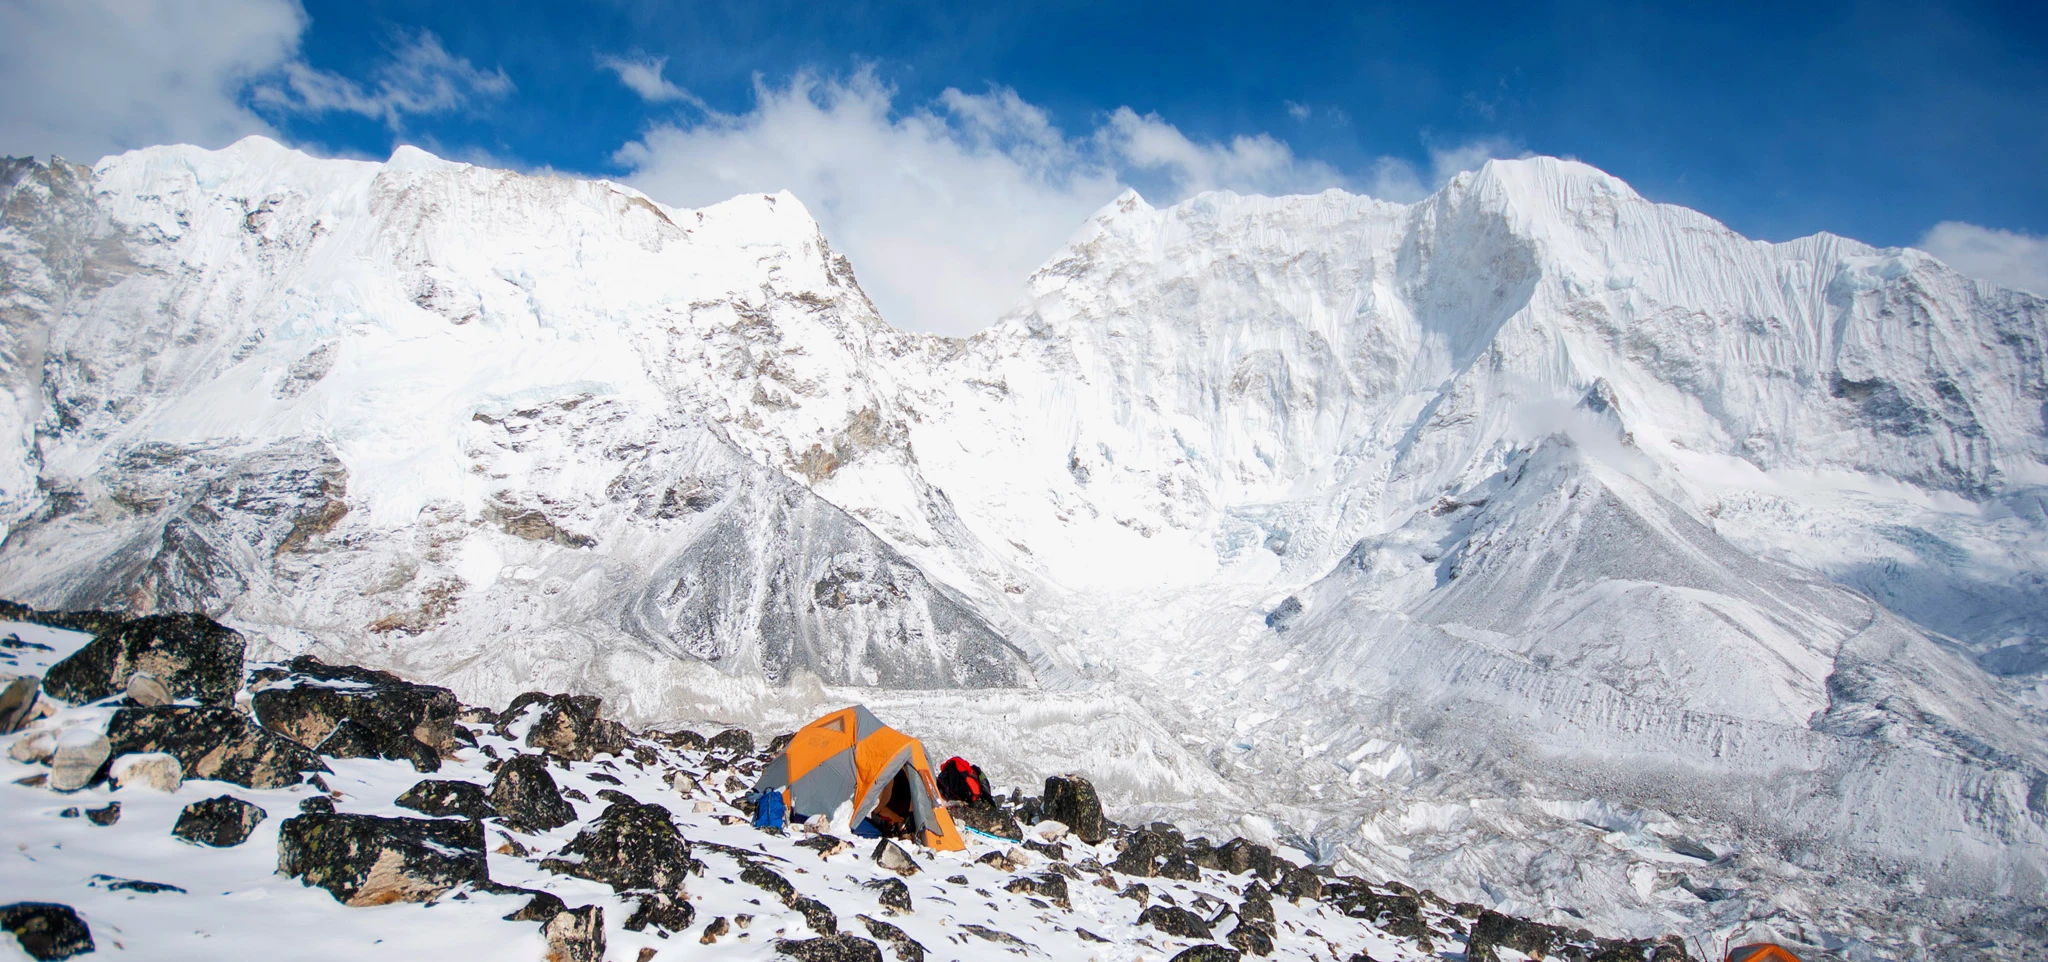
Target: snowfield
[{"x": 1553, "y": 549}]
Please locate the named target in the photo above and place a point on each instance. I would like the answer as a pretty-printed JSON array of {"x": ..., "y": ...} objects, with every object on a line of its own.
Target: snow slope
[{"x": 1516, "y": 542}]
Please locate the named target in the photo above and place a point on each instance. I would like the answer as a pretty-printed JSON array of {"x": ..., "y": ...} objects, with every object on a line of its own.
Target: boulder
[
  {"x": 1049, "y": 886},
  {"x": 733, "y": 742},
  {"x": 575, "y": 935},
  {"x": 525, "y": 796},
  {"x": 156, "y": 770},
  {"x": 713, "y": 929},
  {"x": 891, "y": 856},
  {"x": 320, "y": 804},
  {"x": 144, "y": 691},
  {"x": 1156, "y": 851},
  {"x": 831, "y": 948},
  {"x": 907, "y": 949},
  {"x": 1071, "y": 801},
  {"x": 211, "y": 742},
  {"x": 191, "y": 655},
  {"x": 1175, "y": 921},
  {"x": 19, "y": 703},
  {"x": 347, "y": 712},
  {"x": 1301, "y": 884},
  {"x": 892, "y": 893},
  {"x": 767, "y": 880},
  {"x": 1251, "y": 937},
  {"x": 448, "y": 798},
  {"x": 372, "y": 860},
  {"x": 680, "y": 739},
  {"x": 106, "y": 814},
  {"x": 1208, "y": 953},
  {"x": 80, "y": 754},
  {"x": 1239, "y": 856},
  {"x": 816, "y": 914},
  {"x": 635, "y": 848},
  {"x": 46, "y": 930},
  {"x": 570, "y": 727},
  {"x": 1257, "y": 904},
  {"x": 223, "y": 821},
  {"x": 989, "y": 817}
]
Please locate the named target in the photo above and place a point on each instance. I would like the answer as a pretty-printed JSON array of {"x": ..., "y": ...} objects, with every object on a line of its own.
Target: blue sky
[{"x": 1878, "y": 121}]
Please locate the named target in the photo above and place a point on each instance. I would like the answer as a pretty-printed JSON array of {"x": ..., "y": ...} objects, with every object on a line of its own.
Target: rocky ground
[{"x": 163, "y": 799}]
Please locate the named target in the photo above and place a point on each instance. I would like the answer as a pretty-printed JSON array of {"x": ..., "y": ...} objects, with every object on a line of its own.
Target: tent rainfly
[{"x": 849, "y": 756}]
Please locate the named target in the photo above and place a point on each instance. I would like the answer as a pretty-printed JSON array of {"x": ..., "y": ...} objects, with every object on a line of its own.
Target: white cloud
[
  {"x": 85, "y": 78},
  {"x": 643, "y": 76},
  {"x": 946, "y": 208},
  {"x": 2002, "y": 257},
  {"x": 421, "y": 77},
  {"x": 1298, "y": 111}
]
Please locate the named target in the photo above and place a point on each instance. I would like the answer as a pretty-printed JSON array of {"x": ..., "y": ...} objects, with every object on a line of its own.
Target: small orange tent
[
  {"x": 849, "y": 755},
  {"x": 1761, "y": 952}
]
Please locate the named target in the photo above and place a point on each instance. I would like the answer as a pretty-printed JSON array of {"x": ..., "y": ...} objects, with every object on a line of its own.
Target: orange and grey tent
[
  {"x": 850, "y": 756},
  {"x": 1761, "y": 952}
]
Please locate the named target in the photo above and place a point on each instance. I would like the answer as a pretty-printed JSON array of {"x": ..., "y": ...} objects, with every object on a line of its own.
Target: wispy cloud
[
  {"x": 642, "y": 75},
  {"x": 2003, "y": 257},
  {"x": 421, "y": 77}
]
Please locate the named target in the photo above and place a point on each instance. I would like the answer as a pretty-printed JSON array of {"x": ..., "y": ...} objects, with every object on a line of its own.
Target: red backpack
[{"x": 961, "y": 781}]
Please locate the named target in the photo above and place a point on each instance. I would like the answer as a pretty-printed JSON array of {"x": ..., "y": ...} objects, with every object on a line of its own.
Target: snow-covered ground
[{"x": 1490, "y": 543}]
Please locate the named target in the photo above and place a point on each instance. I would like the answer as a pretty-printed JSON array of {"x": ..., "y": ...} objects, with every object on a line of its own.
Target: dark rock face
[
  {"x": 988, "y": 816},
  {"x": 210, "y": 742},
  {"x": 107, "y": 815},
  {"x": 1493, "y": 931},
  {"x": 683, "y": 739},
  {"x": 1051, "y": 887},
  {"x": 524, "y": 794},
  {"x": 1156, "y": 851},
  {"x": 370, "y": 860},
  {"x": 636, "y": 848},
  {"x": 1257, "y": 905},
  {"x": 18, "y": 703},
  {"x": 222, "y": 821},
  {"x": 816, "y": 914},
  {"x": 831, "y": 948},
  {"x": 1175, "y": 921},
  {"x": 46, "y": 930},
  {"x": 570, "y": 727},
  {"x": 540, "y": 908},
  {"x": 1301, "y": 884},
  {"x": 318, "y": 803},
  {"x": 193, "y": 656},
  {"x": 891, "y": 856},
  {"x": 736, "y": 742},
  {"x": 767, "y": 880},
  {"x": 346, "y": 712},
  {"x": 1208, "y": 953},
  {"x": 575, "y": 935},
  {"x": 907, "y": 948},
  {"x": 1071, "y": 801},
  {"x": 448, "y": 798}
]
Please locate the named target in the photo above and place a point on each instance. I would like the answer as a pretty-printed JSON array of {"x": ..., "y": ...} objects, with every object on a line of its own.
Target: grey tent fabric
[
  {"x": 819, "y": 791},
  {"x": 865, "y": 723}
]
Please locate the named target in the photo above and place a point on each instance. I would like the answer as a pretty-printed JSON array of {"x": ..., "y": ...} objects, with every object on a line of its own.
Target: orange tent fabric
[
  {"x": 1761, "y": 952},
  {"x": 849, "y": 755}
]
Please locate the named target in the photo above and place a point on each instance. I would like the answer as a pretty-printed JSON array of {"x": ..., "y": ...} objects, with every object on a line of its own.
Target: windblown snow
[{"x": 1537, "y": 543}]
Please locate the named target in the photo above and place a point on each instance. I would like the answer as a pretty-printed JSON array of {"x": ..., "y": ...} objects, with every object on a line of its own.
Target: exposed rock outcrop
[
  {"x": 47, "y": 930},
  {"x": 525, "y": 795},
  {"x": 371, "y": 860},
  {"x": 192, "y": 656},
  {"x": 210, "y": 742},
  {"x": 222, "y": 821}
]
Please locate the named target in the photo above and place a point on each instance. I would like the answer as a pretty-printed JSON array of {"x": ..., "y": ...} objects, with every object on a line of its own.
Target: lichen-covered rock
[
  {"x": 347, "y": 712},
  {"x": 734, "y": 742},
  {"x": 892, "y": 893},
  {"x": 192, "y": 655},
  {"x": 1257, "y": 905},
  {"x": 1175, "y": 921},
  {"x": 222, "y": 821},
  {"x": 630, "y": 847},
  {"x": 443, "y": 798},
  {"x": 216, "y": 743},
  {"x": 1156, "y": 851},
  {"x": 1071, "y": 801},
  {"x": 1049, "y": 886},
  {"x": 989, "y": 816},
  {"x": 767, "y": 880},
  {"x": 575, "y": 935},
  {"x": 830, "y": 948},
  {"x": 47, "y": 930},
  {"x": 525, "y": 796},
  {"x": 906, "y": 948},
  {"x": 1252, "y": 937},
  {"x": 1301, "y": 884},
  {"x": 1208, "y": 953},
  {"x": 816, "y": 914},
  {"x": 570, "y": 727},
  {"x": 372, "y": 860}
]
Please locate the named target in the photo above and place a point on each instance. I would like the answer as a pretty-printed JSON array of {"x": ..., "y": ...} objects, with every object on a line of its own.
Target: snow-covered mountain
[{"x": 1553, "y": 548}]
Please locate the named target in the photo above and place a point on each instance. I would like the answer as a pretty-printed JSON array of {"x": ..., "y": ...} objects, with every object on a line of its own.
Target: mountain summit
[{"x": 1561, "y": 550}]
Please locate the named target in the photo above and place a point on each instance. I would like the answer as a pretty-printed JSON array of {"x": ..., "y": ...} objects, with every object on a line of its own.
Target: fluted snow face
[{"x": 1502, "y": 542}]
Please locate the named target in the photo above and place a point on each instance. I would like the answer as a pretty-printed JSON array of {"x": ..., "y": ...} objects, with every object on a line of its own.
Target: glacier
[{"x": 1556, "y": 549}]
